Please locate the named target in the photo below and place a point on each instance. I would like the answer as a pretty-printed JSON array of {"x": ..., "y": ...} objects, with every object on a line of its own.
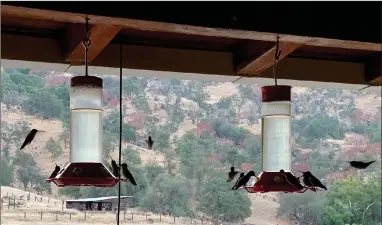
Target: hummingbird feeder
[
  {"x": 86, "y": 133},
  {"x": 276, "y": 142},
  {"x": 86, "y": 167}
]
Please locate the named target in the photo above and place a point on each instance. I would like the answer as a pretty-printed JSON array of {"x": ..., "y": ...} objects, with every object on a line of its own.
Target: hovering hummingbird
[
  {"x": 360, "y": 165},
  {"x": 115, "y": 168},
  {"x": 150, "y": 143},
  {"x": 55, "y": 172},
  {"x": 232, "y": 173},
  {"x": 30, "y": 137},
  {"x": 127, "y": 174},
  {"x": 291, "y": 179},
  {"x": 243, "y": 180},
  {"x": 311, "y": 181}
]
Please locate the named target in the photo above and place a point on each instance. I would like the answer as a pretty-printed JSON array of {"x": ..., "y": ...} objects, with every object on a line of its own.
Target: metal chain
[{"x": 86, "y": 43}]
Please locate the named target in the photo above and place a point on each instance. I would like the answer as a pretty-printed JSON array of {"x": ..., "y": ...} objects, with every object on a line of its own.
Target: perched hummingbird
[
  {"x": 115, "y": 168},
  {"x": 55, "y": 172},
  {"x": 311, "y": 181},
  {"x": 243, "y": 180},
  {"x": 30, "y": 137},
  {"x": 232, "y": 174},
  {"x": 360, "y": 165},
  {"x": 127, "y": 174},
  {"x": 237, "y": 181},
  {"x": 291, "y": 179},
  {"x": 150, "y": 143}
]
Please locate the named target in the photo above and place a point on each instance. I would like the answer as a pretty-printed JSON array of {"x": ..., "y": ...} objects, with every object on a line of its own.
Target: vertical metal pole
[{"x": 120, "y": 130}]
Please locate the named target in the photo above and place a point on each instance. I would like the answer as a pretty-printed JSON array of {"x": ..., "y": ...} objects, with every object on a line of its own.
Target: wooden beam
[
  {"x": 373, "y": 74},
  {"x": 23, "y": 48},
  {"x": 259, "y": 64},
  {"x": 67, "y": 17},
  {"x": 100, "y": 36}
]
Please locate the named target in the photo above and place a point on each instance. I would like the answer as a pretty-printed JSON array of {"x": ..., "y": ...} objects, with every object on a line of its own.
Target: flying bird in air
[
  {"x": 244, "y": 180},
  {"x": 55, "y": 172},
  {"x": 115, "y": 167},
  {"x": 127, "y": 174},
  {"x": 232, "y": 173},
  {"x": 150, "y": 143},
  {"x": 311, "y": 181},
  {"x": 360, "y": 165},
  {"x": 30, "y": 137}
]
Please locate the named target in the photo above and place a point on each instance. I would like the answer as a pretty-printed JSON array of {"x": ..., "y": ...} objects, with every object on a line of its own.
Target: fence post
[
  {"x": 49, "y": 199},
  {"x": 41, "y": 199},
  {"x": 14, "y": 203},
  {"x": 174, "y": 219},
  {"x": 146, "y": 216},
  {"x": 62, "y": 207},
  {"x": 70, "y": 216},
  {"x": 85, "y": 216},
  {"x": 9, "y": 202},
  {"x": 41, "y": 215},
  {"x": 56, "y": 216},
  {"x": 25, "y": 215},
  {"x": 124, "y": 216},
  {"x": 160, "y": 217},
  {"x": 132, "y": 216},
  {"x": 202, "y": 219}
]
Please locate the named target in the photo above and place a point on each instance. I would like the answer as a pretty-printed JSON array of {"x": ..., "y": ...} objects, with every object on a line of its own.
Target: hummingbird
[
  {"x": 127, "y": 174},
  {"x": 150, "y": 143},
  {"x": 231, "y": 174},
  {"x": 291, "y": 179},
  {"x": 244, "y": 180},
  {"x": 55, "y": 172},
  {"x": 360, "y": 165},
  {"x": 311, "y": 181},
  {"x": 30, "y": 137},
  {"x": 237, "y": 181},
  {"x": 115, "y": 168}
]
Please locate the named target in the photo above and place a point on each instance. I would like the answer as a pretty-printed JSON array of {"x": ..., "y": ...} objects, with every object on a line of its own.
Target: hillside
[{"x": 181, "y": 113}]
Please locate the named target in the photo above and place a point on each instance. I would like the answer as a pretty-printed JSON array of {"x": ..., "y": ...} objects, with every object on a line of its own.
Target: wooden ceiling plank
[
  {"x": 67, "y": 17},
  {"x": 183, "y": 61},
  {"x": 100, "y": 36},
  {"x": 259, "y": 64},
  {"x": 373, "y": 70}
]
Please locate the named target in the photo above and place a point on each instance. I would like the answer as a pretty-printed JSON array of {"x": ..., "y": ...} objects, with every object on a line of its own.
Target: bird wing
[
  {"x": 27, "y": 140},
  {"x": 130, "y": 177}
]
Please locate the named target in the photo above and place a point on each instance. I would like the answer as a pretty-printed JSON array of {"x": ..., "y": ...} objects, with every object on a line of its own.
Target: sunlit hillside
[{"x": 199, "y": 129}]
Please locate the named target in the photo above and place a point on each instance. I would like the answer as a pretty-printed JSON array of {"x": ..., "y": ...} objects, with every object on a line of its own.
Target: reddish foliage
[
  {"x": 257, "y": 91},
  {"x": 204, "y": 127},
  {"x": 245, "y": 167},
  {"x": 359, "y": 116},
  {"x": 137, "y": 119},
  {"x": 214, "y": 157},
  {"x": 114, "y": 102}
]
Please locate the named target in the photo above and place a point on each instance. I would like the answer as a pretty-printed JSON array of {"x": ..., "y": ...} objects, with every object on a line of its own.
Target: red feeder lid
[
  {"x": 276, "y": 93},
  {"x": 274, "y": 182},
  {"x": 85, "y": 174}
]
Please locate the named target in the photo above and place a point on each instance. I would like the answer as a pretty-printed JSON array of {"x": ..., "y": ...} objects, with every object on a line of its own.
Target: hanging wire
[
  {"x": 277, "y": 57},
  {"x": 120, "y": 131},
  {"x": 86, "y": 43}
]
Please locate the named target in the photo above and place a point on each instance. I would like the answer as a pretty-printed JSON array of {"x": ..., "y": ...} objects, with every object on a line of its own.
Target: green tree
[
  {"x": 54, "y": 148},
  {"x": 6, "y": 172},
  {"x": 44, "y": 103},
  {"x": 221, "y": 203},
  {"x": 131, "y": 156},
  {"x": 169, "y": 195}
]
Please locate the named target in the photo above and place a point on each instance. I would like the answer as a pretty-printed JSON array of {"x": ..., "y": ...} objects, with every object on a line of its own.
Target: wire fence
[{"x": 32, "y": 208}]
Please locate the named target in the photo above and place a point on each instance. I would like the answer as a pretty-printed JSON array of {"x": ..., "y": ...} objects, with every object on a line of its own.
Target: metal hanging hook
[
  {"x": 86, "y": 43},
  {"x": 277, "y": 57}
]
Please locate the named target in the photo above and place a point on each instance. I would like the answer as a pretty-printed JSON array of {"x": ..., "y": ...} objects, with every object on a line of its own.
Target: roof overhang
[{"x": 46, "y": 34}]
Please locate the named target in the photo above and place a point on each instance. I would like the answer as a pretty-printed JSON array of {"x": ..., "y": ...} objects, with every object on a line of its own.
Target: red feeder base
[
  {"x": 275, "y": 182},
  {"x": 85, "y": 174}
]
